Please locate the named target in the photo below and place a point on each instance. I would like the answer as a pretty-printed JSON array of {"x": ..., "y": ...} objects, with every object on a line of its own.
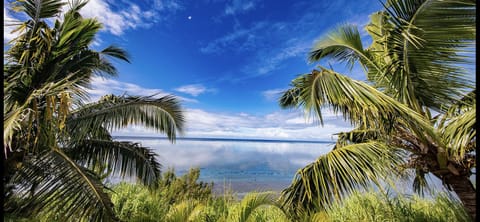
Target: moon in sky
[{"x": 189, "y": 17}]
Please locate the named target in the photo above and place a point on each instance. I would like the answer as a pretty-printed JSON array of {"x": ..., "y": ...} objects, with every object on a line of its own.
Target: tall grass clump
[{"x": 374, "y": 206}]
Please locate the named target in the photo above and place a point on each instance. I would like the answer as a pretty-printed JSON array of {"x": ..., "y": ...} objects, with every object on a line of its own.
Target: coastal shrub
[
  {"x": 134, "y": 202},
  {"x": 187, "y": 187},
  {"x": 184, "y": 198}
]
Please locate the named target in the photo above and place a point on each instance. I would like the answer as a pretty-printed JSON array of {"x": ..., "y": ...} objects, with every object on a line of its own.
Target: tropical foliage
[
  {"x": 359, "y": 206},
  {"x": 136, "y": 202},
  {"x": 186, "y": 199},
  {"x": 414, "y": 111},
  {"x": 57, "y": 147}
]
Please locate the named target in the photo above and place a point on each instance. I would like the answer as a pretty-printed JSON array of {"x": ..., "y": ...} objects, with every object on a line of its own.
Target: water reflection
[{"x": 244, "y": 165}]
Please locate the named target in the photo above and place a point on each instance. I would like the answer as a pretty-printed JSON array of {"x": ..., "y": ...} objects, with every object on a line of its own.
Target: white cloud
[
  {"x": 117, "y": 22},
  {"x": 298, "y": 120},
  {"x": 114, "y": 22},
  {"x": 273, "y": 94},
  {"x": 239, "y": 6},
  {"x": 284, "y": 124},
  {"x": 193, "y": 89},
  {"x": 103, "y": 86},
  {"x": 288, "y": 125},
  {"x": 8, "y": 22}
]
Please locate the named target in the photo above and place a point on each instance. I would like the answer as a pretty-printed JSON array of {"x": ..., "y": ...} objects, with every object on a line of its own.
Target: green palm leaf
[
  {"x": 340, "y": 172},
  {"x": 446, "y": 33},
  {"x": 47, "y": 72},
  {"x": 343, "y": 44},
  {"x": 457, "y": 126},
  {"x": 116, "y": 52},
  {"x": 250, "y": 203},
  {"x": 54, "y": 185},
  {"x": 363, "y": 105},
  {"x": 124, "y": 158},
  {"x": 185, "y": 211},
  {"x": 357, "y": 136},
  {"x": 112, "y": 112},
  {"x": 417, "y": 63},
  {"x": 20, "y": 111},
  {"x": 39, "y": 9}
]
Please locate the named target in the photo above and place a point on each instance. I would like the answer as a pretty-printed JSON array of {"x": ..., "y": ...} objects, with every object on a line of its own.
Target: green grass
[{"x": 373, "y": 206}]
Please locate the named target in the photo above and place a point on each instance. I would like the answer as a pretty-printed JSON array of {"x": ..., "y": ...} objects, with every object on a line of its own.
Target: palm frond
[
  {"x": 54, "y": 185},
  {"x": 116, "y": 52},
  {"x": 126, "y": 159},
  {"x": 22, "y": 109},
  {"x": 429, "y": 39},
  {"x": 458, "y": 126},
  {"x": 39, "y": 9},
  {"x": 420, "y": 182},
  {"x": 363, "y": 105},
  {"x": 250, "y": 203},
  {"x": 340, "y": 172},
  {"x": 76, "y": 5},
  {"x": 343, "y": 44},
  {"x": 184, "y": 211},
  {"x": 113, "y": 112},
  {"x": 460, "y": 134},
  {"x": 357, "y": 136},
  {"x": 290, "y": 98}
]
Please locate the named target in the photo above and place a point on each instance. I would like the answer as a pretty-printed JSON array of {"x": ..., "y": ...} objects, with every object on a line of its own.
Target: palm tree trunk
[{"x": 463, "y": 187}]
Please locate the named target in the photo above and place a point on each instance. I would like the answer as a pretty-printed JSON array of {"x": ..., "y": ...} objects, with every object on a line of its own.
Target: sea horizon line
[{"x": 265, "y": 140}]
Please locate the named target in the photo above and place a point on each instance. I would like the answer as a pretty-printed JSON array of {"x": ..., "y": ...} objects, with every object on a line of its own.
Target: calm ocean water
[{"x": 241, "y": 165}]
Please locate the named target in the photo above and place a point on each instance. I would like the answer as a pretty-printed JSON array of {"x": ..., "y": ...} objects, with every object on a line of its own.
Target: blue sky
[{"x": 227, "y": 60}]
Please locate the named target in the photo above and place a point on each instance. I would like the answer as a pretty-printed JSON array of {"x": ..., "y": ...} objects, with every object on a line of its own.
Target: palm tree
[
  {"x": 415, "y": 111},
  {"x": 56, "y": 146}
]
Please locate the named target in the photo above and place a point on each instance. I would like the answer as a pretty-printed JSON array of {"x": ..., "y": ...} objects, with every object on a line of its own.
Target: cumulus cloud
[
  {"x": 287, "y": 125},
  {"x": 193, "y": 89},
  {"x": 103, "y": 86},
  {"x": 114, "y": 20},
  {"x": 284, "y": 124}
]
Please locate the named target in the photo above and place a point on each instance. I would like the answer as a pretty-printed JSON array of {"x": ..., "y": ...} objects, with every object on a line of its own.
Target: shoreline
[{"x": 240, "y": 188}]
